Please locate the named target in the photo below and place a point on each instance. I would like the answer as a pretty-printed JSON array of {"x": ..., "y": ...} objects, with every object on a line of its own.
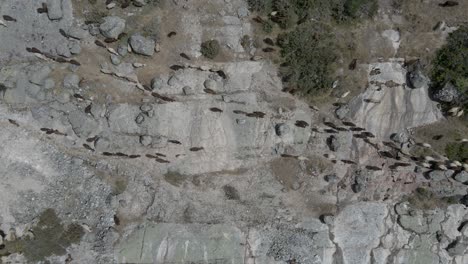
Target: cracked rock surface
[{"x": 119, "y": 149}]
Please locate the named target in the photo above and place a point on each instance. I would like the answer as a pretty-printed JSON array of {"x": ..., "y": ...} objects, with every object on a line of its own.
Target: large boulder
[
  {"x": 448, "y": 94},
  {"x": 112, "y": 26},
  {"x": 439, "y": 175},
  {"x": 414, "y": 77},
  {"x": 333, "y": 143},
  {"x": 142, "y": 45}
]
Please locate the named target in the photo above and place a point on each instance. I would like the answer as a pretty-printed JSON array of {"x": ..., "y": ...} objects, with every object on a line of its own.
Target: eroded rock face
[
  {"x": 358, "y": 229},
  {"x": 203, "y": 161},
  {"x": 387, "y": 94}
]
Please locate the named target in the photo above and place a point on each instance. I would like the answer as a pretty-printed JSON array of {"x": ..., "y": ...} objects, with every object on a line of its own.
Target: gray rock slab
[
  {"x": 142, "y": 45},
  {"x": 112, "y": 26}
]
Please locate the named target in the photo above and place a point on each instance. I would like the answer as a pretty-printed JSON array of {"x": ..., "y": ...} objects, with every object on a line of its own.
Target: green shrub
[
  {"x": 309, "y": 52},
  {"x": 457, "y": 151},
  {"x": 261, "y": 6},
  {"x": 267, "y": 26},
  {"x": 210, "y": 48},
  {"x": 451, "y": 62},
  {"x": 50, "y": 238},
  {"x": 360, "y": 8},
  {"x": 425, "y": 199},
  {"x": 246, "y": 42},
  {"x": 289, "y": 12},
  {"x": 95, "y": 16}
]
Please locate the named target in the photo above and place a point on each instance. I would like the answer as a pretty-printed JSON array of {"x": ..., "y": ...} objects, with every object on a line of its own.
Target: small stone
[
  {"x": 138, "y": 65},
  {"x": 93, "y": 29},
  {"x": 63, "y": 50},
  {"x": 416, "y": 223},
  {"x": 210, "y": 84},
  {"x": 461, "y": 177},
  {"x": 157, "y": 83},
  {"x": 342, "y": 111},
  {"x": 173, "y": 80},
  {"x": 38, "y": 76},
  {"x": 102, "y": 144},
  {"x": 139, "y": 3},
  {"x": 327, "y": 219},
  {"x": 356, "y": 187},
  {"x": 33, "y": 90},
  {"x": 112, "y": 27},
  {"x": 54, "y": 9},
  {"x": 187, "y": 90},
  {"x": 296, "y": 185},
  {"x": 157, "y": 47},
  {"x": 115, "y": 59},
  {"x": 64, "y": 97},
  {"x": 146, "y": 140},
  {"x": 243, "y": 12},
  {"x": 240, "y": 121},
  {"x": 111, "y": 5},
  {"x": 439, "y": 175},
  {"x": 158, "y": 142},
  {"x": 417, "y": 169},
  {"x": 122, "y": 49},
  {"x": 146, "y": 107},
  {"x": 333, "y": 143},
  {"x": 464, "y": 230},
  {"x": 76, "y": 32},
  {"x": 140, "y": 118},
  {"x": 71, "y": 81},
  {"x": 400, "y": 137},
  {"x": 150, "y": 113},
  {"x": 282, "y": 129},
  {"x": 331, "y": 178},
  {"x": 142, "y": 45},
  {"x": 257, "y": 58},
  {"x": 74, "y": 47}
]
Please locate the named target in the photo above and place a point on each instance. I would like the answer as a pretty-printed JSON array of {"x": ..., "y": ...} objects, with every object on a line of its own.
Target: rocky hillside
[{"x": 165, "y": 131}]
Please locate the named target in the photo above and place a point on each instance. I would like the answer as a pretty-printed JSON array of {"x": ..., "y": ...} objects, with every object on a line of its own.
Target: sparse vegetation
[
  {"x": 424, "y": 199},
  {"x": 50, "y": 238},
  {"x": 246, "y": 42},
  {"x": 307, "y": 43},
  {"x": 457, "y": 151},
  {"x": 291, "y": 12},
  {"x": 231, "y": 193},
  {"x": 267, "y": 26},
  {"x": 95, "y": 16},
  {"x": 174, "y": 178},
  {"x": 120, "y": 186},
  {"x": 210, "y": 48},
  {"x": 359, "y": 9},
  {"x": 451, "y": 62},
  {"x": 152, "y": 29}
]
